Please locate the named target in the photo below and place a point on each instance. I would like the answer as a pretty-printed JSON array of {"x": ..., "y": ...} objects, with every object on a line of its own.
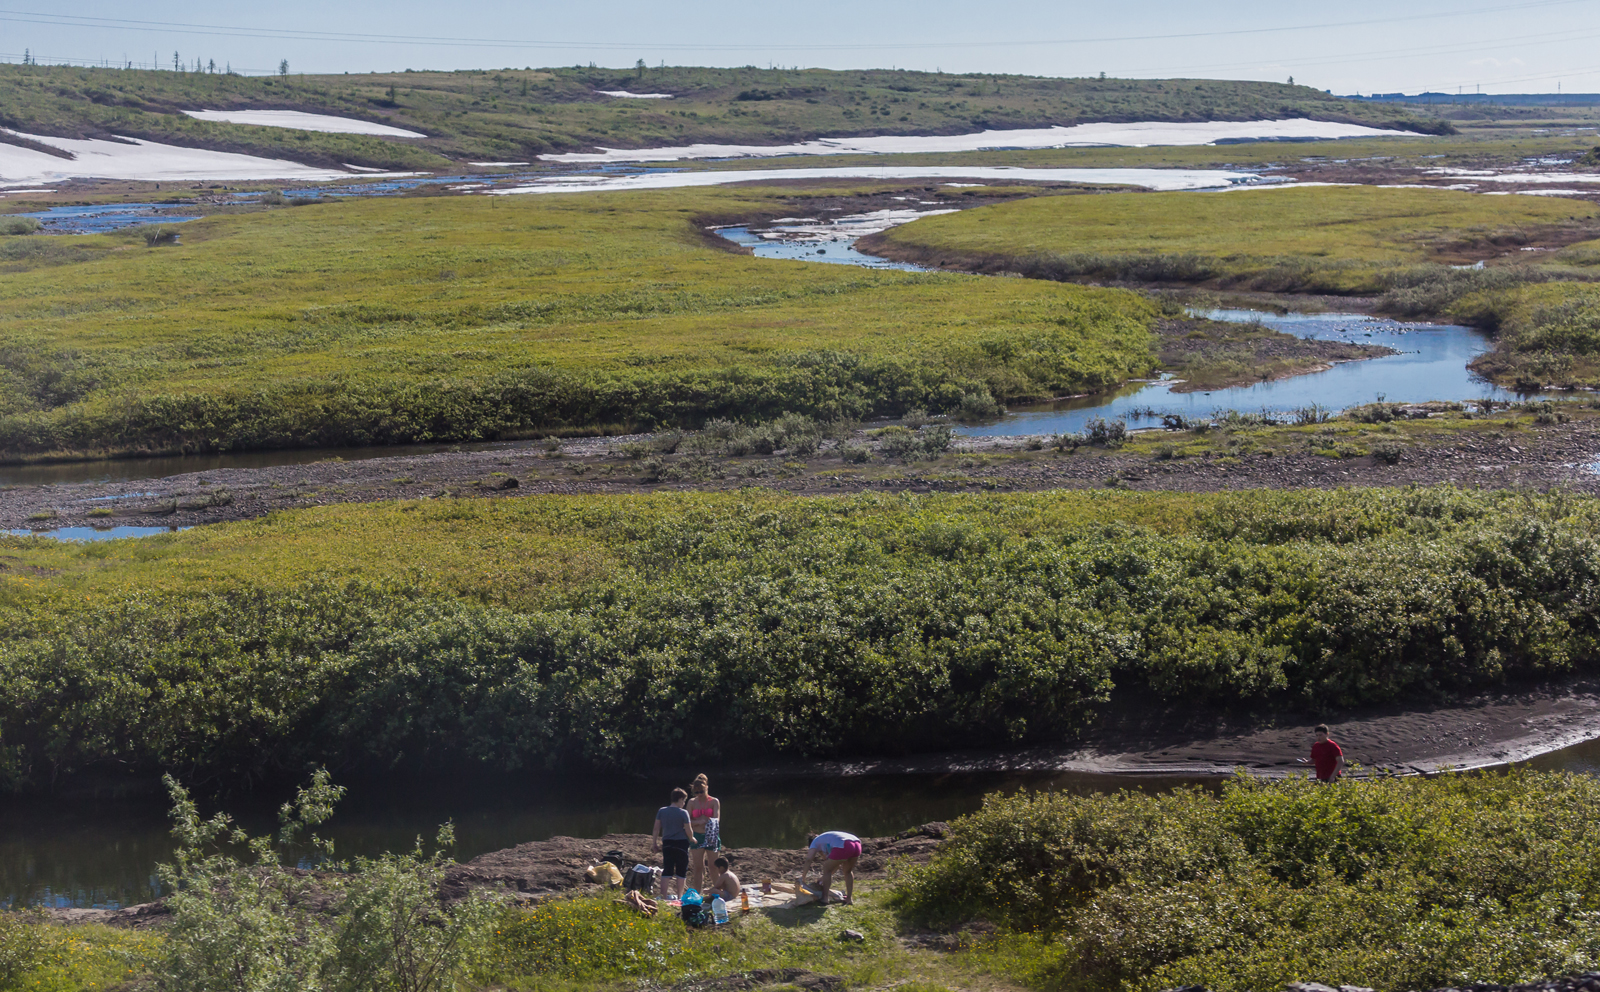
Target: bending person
[
  {"x": 839, "y": 852},
  {"x": 705, "y": 817}
]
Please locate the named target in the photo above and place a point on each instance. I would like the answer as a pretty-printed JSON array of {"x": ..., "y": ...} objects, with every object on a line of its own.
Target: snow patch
[
  {"x": 1078, "y": 136},
  {"x": 145, "y": 161},
  {"x": 497, "y": 165},
  {"x": 1157, "y": 179},
  {"x": 625, "y": 95},
  {"x": 303, "y": 122}
]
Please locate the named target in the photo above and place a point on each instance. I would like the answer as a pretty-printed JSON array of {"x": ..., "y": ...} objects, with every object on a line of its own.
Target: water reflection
[
  {"x": 103, "y": 852},
  {"x": 96, "y": 533},
  {"x": 1431, "y": 365}
]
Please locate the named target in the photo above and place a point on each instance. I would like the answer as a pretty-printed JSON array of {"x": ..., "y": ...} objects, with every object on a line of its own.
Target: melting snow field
[
  {"x": 302, "y": 122},
  {"x": 1081, "y": 135},
  {"x": 94, "y": 158},
  {"x": 1157, "y": 179},
  {"x": 625, "y": 95}
]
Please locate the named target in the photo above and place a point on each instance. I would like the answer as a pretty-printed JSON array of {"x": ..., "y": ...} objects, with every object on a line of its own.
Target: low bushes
[
  {"x": 609, "y": 629},
  {"x": 1397, "y": 884}
]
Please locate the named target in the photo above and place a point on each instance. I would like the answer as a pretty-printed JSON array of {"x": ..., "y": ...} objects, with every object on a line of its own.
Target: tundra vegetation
[
  {"x": 1416, "y": 250},
  {"x": 515, "y": 114},
  {"x": 1391, "y": 884},
  {"x": 552, "y": 630},
  {"x": 504, "y": 317}
]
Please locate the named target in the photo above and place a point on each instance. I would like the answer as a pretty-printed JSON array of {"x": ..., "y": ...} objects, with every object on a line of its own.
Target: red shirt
[{"x": 1325, "y": 755}]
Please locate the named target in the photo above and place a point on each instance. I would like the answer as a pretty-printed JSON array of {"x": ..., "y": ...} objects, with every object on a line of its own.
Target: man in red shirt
[{"x": 1327, "y": 756}]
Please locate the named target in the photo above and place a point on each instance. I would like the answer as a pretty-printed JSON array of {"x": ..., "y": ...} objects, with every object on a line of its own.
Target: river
[{"x": 102, "y": 852}]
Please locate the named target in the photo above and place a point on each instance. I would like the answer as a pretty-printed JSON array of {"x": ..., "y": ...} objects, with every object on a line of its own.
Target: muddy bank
[
  {"x": 1138, "y": 736},
  {"x": 1215, "y": 354},
  {"x": 1493, "y": 454},
  {"x": 557, "y": 865}
]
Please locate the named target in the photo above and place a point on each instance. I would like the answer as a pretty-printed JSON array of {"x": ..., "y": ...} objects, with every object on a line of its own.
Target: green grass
[
  {"x": 513, "y": 115},
  {"x": 456, "y": 318},
  {"x": 1545, "y": 335},
  {"x": 1389, "y": 884},
  {"x": 590, "y": 631},
  {"x": 1326, "y": 239},
  {"x": 591, "y": 942},
  {"x": 88, "y": 957}
]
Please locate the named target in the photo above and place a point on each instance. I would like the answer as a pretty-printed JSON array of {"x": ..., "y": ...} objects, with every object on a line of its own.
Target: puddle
[
  {"x": 101, "y": 218},
  {"x": 96, "y": 533},
  {"x": 1431, "y": 365}
]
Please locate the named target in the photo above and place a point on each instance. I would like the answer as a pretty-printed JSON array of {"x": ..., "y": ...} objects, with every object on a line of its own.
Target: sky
[{"x": 1360, "y": 46}]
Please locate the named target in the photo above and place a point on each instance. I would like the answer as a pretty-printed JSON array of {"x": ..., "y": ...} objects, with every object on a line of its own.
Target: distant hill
[{"x": 516, "y": 114}]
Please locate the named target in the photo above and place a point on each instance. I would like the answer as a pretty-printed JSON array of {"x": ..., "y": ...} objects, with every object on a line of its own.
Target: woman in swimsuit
[{"x": 705, "y": 818}]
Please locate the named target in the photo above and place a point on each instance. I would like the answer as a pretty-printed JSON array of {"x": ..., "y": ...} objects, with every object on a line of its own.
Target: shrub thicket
[
  {"x": 809, "y": 627},
  {"x": 1396, "y": 884}
]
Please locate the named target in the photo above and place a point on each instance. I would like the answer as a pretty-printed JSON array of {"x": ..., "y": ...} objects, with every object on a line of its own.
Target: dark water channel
[{"x": 103, "y": 852}]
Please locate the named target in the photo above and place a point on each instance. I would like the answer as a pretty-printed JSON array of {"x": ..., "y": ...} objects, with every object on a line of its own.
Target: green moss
[
  {"x": 1328, "y": 240},
  {"x": 561, "y": 312}
]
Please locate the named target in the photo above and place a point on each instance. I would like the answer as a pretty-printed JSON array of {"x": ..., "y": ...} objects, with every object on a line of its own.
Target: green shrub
[
  {"x": 870, "y": 624},
  {"x": 21, "y": 947},
  {"x": 18, "y": 225},
  {"x": 375, "y": 923},
  {"x": 1392, "y": 884}
]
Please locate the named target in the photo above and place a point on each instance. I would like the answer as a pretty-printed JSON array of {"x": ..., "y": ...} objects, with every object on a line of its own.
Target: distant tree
[
  {"x": 1291, "y": 80},
  {"x": 1102, "y": 75},
  {"x": 638, "y": 68},
  {"x": 177, "y": 64},
  {"x": 283, "y": 68},
  {"x": 211, "y": 66},
  {"x": 27, "y": 56}
]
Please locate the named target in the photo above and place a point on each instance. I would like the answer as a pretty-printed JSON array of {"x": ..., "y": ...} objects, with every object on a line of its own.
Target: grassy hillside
[
  {"x": 461, "y": 318},
  {"x": 512, "y": 114},
  {"x": 602, "y": 630},
  {"x": 1322, "y": 239}
]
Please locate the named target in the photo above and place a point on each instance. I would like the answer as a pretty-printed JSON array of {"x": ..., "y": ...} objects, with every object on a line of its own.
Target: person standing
[
  {"x": 705, "y": 817},
  {"x": 671, "y": 837},
  {"x": 838, "y": 851},
  {"x": 1327, "y": 757}
]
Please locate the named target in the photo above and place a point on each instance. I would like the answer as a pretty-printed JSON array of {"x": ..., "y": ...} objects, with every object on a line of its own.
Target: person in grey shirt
[{"x": 672, "y": 836}]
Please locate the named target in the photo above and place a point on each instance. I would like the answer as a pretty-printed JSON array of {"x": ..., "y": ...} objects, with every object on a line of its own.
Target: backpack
[
  {"x": 696, "y": 914},
  {"x": 640, "y": 879}
]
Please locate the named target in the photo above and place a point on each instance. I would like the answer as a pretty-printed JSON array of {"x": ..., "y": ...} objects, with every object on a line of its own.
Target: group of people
[
  {"x": 686, "y": 833},
  {"x": 689, "y": 830}
]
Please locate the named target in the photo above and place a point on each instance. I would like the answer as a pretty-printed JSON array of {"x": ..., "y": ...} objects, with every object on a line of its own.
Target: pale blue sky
[{"x": 1361, "y": 45}]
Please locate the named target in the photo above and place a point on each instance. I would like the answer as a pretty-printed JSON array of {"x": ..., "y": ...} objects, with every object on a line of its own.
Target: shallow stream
[{"x": 103, "y": 852}]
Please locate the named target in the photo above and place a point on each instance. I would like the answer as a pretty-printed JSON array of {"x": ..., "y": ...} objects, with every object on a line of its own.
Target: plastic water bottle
[{"x": 719, "y": 910}]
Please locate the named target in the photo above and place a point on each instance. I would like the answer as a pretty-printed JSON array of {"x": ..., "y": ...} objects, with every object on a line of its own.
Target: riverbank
[
  {"x": 1419, "y": 445},
  {"x": 1138, "y": 736}
]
